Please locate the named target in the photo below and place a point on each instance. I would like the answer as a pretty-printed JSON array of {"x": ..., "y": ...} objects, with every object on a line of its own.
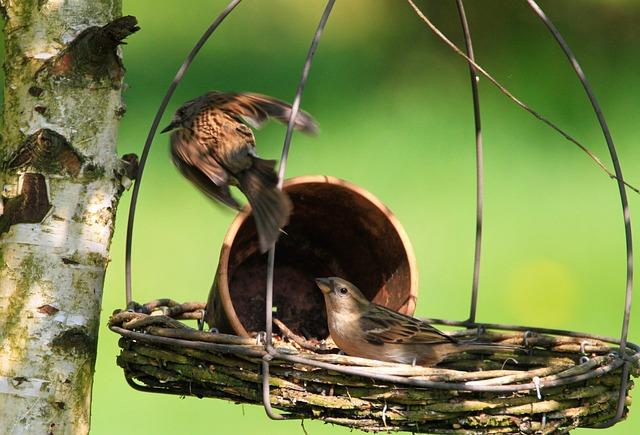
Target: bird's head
[
  {"x": 184, "y": 115},
  {"x": 341, "y": 296}
]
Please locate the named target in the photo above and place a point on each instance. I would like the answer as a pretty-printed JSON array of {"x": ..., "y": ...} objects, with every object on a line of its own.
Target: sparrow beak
[
  {"x": 169, "y": 127},
  {"x": 324, "y": 284}
]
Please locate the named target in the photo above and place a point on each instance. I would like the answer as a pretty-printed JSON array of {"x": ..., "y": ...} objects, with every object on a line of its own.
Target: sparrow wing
[
  {"x": 204, "y": 183},
  {"x": 221, "y": 193},
  {"x": 185, "y": 150},
  {"x": 384, "y": 326},
  {"x": 256, "y": 109}
]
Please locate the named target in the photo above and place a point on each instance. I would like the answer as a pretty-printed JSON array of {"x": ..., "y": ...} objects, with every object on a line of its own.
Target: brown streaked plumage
[
  {"x": 364, "y": 329},
  {"x": 213, "y": 148}
]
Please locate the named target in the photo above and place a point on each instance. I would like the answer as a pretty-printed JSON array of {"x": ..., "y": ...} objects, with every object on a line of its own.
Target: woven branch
[{"x": 229, "y": 367}]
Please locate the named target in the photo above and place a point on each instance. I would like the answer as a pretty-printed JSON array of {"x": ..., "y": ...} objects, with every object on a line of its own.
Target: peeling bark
[
  {"x": 47, "y": 152},
  {"x": 61, "y": 181},
  {"x": 30, "y": 206}
]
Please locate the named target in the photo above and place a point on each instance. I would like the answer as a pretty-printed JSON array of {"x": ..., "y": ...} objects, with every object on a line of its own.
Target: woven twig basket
[{"x": 161, "y": 354}]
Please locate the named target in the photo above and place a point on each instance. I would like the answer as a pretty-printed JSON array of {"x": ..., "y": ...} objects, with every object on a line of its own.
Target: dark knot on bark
[
  {"x": 45, "y": 151},
  {"x": 93, "y": 52}
]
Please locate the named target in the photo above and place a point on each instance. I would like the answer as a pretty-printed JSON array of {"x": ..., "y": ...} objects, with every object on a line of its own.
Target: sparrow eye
[{"x": 343, "y": 290}]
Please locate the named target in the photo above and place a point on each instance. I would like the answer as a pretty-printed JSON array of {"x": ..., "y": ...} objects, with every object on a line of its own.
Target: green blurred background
[{"x": 395, "y": 112}]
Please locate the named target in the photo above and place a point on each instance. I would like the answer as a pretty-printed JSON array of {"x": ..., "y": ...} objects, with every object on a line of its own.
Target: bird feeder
[
  {"x": 336, "y": 229},
  {"x": 564, "y": 380}
]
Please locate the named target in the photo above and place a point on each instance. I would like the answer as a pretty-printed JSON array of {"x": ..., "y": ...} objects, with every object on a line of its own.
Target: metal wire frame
[
  {"x": 152, "y": 131},
  {"x": 622, "y": 192},
  {"x": 473, "y": 74},
  {"x": 270, "y": 353},
  {"x": 295, "y": 108}
]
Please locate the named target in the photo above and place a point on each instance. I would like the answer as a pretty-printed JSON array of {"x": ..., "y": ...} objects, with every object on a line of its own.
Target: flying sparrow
[
  {"x": 212, "y": 147},
  {"x": 364, "y": 329}
]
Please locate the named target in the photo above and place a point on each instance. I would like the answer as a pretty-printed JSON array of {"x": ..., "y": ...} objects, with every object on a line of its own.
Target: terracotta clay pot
[{"x": 336, "y": 229}]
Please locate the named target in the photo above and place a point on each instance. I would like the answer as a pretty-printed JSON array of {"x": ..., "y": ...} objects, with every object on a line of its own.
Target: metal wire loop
[
  {"x": 536, "y": 382},
  {"x": 201, "y": 321},
  {"x": 480, "y": 329},
  {"x": 473, "y": 75},
  {"x": 295, "y": 107},
  {"x": 526, "y": 336},
  {"x": 152, "y": 131},
  {"x": 513, "y": 360},
  {"x": 626, "y": 216},
  {"x": 583, "y": 344}
]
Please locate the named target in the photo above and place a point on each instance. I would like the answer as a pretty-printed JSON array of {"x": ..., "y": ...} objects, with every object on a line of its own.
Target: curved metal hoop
[
  {"x": 479, "y": 162},
  {"x": 623, "y": 199},
  {"x": 152, "y": 131},
  {"x": 295, "y": 108},
  {"x": 614, "y": 158}
]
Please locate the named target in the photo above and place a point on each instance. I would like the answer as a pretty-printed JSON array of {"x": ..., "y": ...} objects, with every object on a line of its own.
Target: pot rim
[{"x": 223, "y": 263}]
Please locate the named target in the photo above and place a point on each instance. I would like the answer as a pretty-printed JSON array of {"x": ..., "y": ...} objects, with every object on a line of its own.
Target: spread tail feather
[
  {"x": 270, "y": 206},
  {"x": 440, "y": 352},
  {"x": 489, "y": 347}
]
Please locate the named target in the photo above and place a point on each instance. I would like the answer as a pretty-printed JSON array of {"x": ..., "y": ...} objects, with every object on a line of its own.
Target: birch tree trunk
[{"x": 62, "y": 181}]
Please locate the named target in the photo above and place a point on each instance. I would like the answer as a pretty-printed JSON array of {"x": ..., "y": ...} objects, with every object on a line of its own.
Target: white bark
[{"x": 51, "y": 274}]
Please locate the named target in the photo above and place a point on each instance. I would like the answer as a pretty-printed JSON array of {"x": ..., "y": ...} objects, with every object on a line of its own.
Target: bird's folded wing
[
  {"x": 222, "y": 193},
  {"x": 383, "y": 326},
  {"x": 195, "y": 155}
]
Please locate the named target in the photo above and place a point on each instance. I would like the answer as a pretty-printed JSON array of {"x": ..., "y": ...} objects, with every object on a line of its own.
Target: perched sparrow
[
  {"x": 214, "y": 149},
  {"x": 364, "y": 329}
]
